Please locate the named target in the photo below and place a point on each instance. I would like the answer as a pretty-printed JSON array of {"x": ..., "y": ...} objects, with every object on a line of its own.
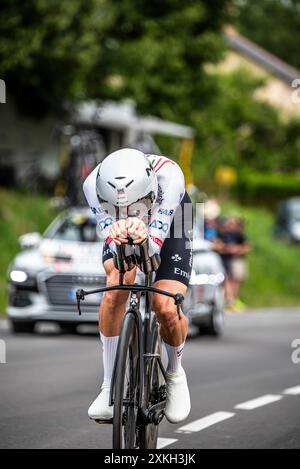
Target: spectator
[
  {"x": 232, "y": 245},
  {"x": 211, "y": 212},
  {"x": 210, "y": 230}
]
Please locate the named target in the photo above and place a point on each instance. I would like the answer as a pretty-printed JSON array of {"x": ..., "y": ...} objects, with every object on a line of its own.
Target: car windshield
[{"x": 76, "y": 228}]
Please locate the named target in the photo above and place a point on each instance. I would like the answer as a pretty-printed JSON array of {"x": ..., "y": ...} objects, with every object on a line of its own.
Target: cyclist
[{"x": 140, "y": 196}]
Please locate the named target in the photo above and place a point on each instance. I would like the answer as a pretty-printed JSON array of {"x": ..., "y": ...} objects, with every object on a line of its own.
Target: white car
[
  {"x": 204, "y": 302},
  {"x": 44, "y": 277}
]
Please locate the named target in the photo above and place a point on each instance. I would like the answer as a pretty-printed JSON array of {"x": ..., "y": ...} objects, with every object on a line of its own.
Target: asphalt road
[{"x": 245, "y": 388}]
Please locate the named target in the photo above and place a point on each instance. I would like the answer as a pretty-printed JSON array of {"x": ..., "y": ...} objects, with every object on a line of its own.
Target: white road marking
[
  {"x": 163, "y": 442},
  {"x": 205, "y": 422},
  {"x": 259, "y": 402},
  {"x": 295, "y": 391}
]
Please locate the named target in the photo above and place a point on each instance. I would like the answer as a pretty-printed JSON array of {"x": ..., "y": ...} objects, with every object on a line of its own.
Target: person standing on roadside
[{"x": 233, "y": 246}]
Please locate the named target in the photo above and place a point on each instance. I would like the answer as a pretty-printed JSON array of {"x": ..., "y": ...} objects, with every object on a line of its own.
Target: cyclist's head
[{"x": 127, "y": 182}]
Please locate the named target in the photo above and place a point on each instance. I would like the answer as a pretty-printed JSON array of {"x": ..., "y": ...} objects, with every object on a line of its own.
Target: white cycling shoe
[
  {"x": 100, "y": 408},
  {"x": 178, "y": 403}
]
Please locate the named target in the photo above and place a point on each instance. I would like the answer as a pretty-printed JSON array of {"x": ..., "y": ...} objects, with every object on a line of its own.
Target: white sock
[
  {"x": 110, "y": 345},
  {"x": 174, "y": 356}
]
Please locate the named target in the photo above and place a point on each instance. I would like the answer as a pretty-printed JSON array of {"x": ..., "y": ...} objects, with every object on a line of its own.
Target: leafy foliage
[
  {"x": 156, "y": 53},
  {"x": 152, "y": 51},
  {"x": 242, "y": 132},
  {"x": 47, "y": 49},
  {"x": 273, "y": 24}
]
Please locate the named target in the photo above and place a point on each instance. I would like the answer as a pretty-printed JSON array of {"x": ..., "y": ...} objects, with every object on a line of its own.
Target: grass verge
[
  {"x": 19, "y": 213},
  {"x": 274, "y": 267}
]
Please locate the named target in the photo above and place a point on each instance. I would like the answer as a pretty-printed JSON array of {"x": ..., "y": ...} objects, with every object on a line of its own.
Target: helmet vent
[
  {"x": 111, "y": 184},
  {"x": 120, "y": 177},
  {"x": 129, "y": 183}
]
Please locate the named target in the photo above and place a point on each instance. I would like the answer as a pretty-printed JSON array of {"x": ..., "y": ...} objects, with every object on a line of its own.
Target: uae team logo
[{"x": 176, "y": 258}]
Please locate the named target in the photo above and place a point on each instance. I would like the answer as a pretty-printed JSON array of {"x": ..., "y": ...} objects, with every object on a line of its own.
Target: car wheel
[
  {"x": 215, "y": 326},
  {"x": 19, "y": 327},
  {"x": 68, "y": 328}
]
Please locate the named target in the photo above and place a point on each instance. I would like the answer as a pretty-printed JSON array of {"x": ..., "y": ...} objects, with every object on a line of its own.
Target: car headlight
[{"x": 18, "y": 276}]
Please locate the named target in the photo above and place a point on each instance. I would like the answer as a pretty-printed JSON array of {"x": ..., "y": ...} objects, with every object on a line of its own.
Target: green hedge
[{"x": 266, "y": 189}]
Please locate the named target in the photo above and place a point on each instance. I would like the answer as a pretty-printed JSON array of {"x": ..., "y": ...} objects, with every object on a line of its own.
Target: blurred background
[{"x": 212, "y": 84}]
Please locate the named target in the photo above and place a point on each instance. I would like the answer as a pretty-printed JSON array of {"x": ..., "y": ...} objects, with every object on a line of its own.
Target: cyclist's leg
[
  {"x": 172, "y": 330},
  {"x": 174, "y": 274},
  {"x": 112, "y": 307},
  {"x": 111, "y": 313}
]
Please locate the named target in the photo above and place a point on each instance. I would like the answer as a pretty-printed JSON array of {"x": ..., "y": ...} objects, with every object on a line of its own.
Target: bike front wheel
[
  {"x": 154, "y": 390},
  {"x": 125, "y": 432}
]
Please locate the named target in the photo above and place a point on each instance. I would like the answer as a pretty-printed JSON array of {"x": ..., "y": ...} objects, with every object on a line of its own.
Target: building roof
[{"x": 260, "y": 56}]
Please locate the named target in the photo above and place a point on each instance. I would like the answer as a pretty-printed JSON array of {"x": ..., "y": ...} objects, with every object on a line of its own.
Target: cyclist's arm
[{"x": 172, "y": 191}]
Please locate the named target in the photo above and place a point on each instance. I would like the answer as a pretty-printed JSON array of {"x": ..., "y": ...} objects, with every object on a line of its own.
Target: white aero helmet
[{"x": 126, "y": 180}]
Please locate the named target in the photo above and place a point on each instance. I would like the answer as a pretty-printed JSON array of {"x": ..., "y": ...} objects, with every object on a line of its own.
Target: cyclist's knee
[
  {"x": 116, "y": 297},
  {"x": 166, "y": 311}
]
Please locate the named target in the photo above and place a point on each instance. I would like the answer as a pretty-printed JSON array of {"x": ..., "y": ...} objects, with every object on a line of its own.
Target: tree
[
  {"x": 238, "y": 130},
  {"x": 158, "y": 50},
  {"x": 153, "y": 52},
  {"x": 273, "y": 24},
  {"x": 47, "y": 49}
]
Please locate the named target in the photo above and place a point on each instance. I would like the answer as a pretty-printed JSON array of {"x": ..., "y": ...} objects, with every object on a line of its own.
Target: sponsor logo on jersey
[
  {"x": 159, "y": 225},
  {"x": 181, "y": 272},
  {"x": 165, "y": 211},
  {"x": 176, "y": 258},
  {"x": 98, "y": 211},
  {"x": 105, "y": 223}
]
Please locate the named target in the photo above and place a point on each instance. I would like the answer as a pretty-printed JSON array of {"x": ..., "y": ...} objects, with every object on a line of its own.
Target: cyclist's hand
[
  {"x": 136, "y": 229},
  {"x": 118, "y": 232}
]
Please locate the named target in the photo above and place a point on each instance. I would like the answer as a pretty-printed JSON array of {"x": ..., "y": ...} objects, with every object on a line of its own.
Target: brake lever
[
  {"x": 178, "y": 300},
  {"x": 80, "y": 294}
]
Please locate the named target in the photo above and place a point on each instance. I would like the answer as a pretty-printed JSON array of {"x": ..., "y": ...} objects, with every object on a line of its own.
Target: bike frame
[{"x": 144, "y": 330}]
